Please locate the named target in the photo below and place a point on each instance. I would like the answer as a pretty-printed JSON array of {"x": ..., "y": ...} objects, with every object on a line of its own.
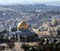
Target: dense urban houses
[{"x": 48, "y": 28}]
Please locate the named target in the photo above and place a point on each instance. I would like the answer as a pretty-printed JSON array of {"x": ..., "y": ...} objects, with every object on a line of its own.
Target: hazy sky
[{"x": 23, "y": 1}]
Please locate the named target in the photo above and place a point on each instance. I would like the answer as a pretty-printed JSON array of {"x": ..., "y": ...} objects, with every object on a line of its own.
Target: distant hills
[
  {"x": 46, "y": 5},
  {"x": 31, "y": 6},
  {"x": 36, "y": 6}
]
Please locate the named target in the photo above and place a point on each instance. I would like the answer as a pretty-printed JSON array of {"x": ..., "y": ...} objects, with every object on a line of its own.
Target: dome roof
[{"x": 22, "y": 25}]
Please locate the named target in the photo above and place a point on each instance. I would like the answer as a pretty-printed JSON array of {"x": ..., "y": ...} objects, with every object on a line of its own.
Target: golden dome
[{"x": 22, "y": 25}]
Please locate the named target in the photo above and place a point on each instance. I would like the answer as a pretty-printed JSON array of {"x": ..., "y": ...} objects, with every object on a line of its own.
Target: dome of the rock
[{"x": 22, "y": 25}]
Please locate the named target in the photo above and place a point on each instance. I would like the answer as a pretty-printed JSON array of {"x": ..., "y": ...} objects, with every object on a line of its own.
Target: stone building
[{"x": 48, "y": 28}]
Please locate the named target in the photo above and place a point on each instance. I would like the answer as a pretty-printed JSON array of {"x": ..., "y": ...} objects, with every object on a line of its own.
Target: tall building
[{"x": 54, "y": 21}]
